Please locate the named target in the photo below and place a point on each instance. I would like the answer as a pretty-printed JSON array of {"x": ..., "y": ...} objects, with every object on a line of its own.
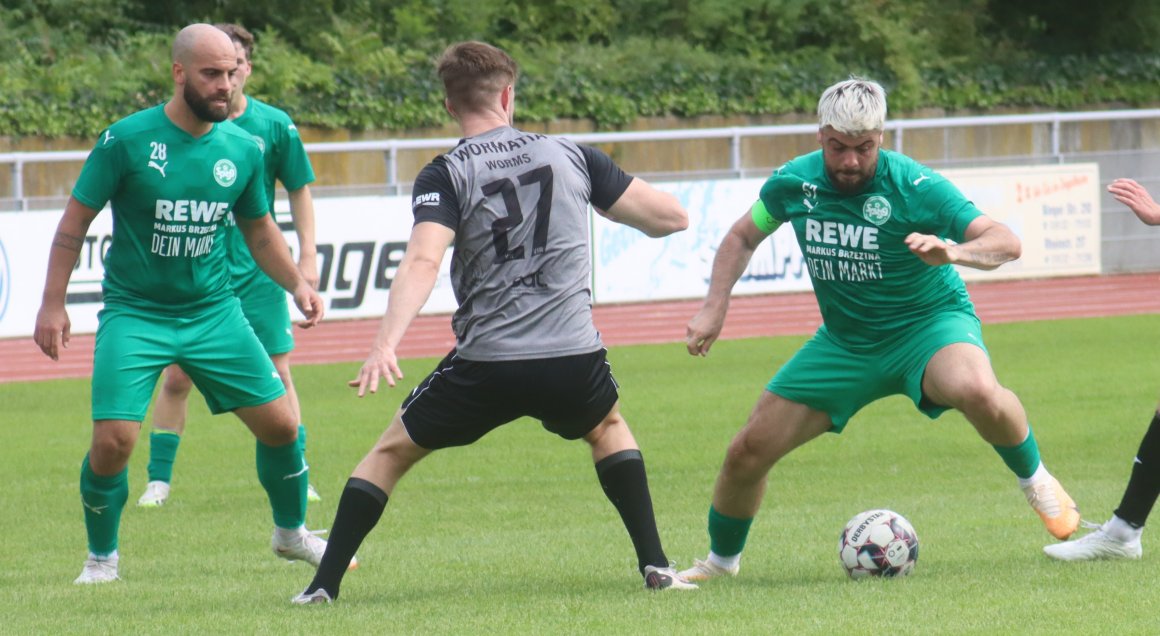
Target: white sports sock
[
  {"x": 724, "y": 562},
  {"x": 285, "y": 535},
  {"x": 1039, "y": 475},
  {"x": 1119, "y": 529}
]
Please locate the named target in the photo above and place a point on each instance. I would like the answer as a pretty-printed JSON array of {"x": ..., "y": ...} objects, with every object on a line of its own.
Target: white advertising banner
[
  {"x": 630, "y": 266},
  {"x": 360, "y": 244},
  {"x": 1053, "y": 209}
]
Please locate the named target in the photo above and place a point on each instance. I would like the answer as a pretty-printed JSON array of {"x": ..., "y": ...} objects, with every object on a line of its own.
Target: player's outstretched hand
[
  {"x": 309, "y": 303},
  {"x": 930, "y": 248},
  {"x": 382, "y": 363},
  {"x": 703, "y": 331},
  {"x": 52, "y": 330},
  {"x": 1136, "y": 197}
]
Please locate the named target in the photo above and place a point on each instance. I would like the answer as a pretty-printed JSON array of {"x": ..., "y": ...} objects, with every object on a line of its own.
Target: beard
[
  {"x": 205, "y": 109},
  {"x": 849, "y": 182}
]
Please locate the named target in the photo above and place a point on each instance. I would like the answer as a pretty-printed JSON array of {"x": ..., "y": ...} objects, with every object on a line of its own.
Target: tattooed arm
[
  {"x": 52, "y": 323},
  {"x": 988, "y": 245}
]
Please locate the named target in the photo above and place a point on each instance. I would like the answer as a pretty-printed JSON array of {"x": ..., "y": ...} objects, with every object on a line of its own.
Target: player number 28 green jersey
[{"x": 170, "y": 193}]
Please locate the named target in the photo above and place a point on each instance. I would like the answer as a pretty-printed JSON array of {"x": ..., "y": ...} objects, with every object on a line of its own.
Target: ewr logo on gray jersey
[{"x": 430, "y": 198}]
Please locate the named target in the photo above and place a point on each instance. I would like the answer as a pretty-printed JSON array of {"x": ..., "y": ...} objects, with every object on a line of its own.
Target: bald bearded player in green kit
[{"x": 171, "y": 174}]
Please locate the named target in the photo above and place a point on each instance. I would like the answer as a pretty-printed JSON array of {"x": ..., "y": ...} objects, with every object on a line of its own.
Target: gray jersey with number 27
[{"x": 521, "y": 266}]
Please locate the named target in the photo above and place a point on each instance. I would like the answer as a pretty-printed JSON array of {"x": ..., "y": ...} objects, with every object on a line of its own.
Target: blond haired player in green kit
[
  {"x": 172, "y": 175},
  {"x": 876, "y": 231},
  {"x": 263, "y": 301}
]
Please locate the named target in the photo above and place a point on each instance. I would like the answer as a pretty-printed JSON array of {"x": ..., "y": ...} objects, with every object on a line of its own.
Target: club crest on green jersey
[
  {"x": 225, "y": 173},
  {"x": 876, "y": 210},
  {"x": 261, "y": 143}
]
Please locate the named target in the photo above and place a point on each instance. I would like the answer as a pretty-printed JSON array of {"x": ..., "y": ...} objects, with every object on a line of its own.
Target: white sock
[
  {"x": 286, "y": 535},
  {"x": 1039, "y": 475},
  {"x": 1119, "y": 529},
  {"x": 724, "y": 562}
]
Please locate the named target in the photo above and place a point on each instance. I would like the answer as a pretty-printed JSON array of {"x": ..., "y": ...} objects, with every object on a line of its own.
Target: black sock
[
  {"x": 359, "y": 509},
  {"x": 1144, "y": 484},
  {"x": 624, "y": 481}
]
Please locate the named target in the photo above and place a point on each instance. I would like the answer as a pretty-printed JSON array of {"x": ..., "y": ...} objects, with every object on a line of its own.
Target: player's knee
[
  {"x": 279, "y": 435},
  {"x": 611, "y": 434},
  {"x": 747, "y": 457},
  {"x": 983, "y": 399},
  {"x": 110, "y": 449}
]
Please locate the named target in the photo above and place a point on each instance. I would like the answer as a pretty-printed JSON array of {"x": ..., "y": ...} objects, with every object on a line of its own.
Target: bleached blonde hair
[{"x": 853, "y": 107}]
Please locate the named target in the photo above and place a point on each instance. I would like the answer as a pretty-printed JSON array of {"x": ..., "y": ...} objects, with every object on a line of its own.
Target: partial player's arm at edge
[{"x": 1137, "y": 198}]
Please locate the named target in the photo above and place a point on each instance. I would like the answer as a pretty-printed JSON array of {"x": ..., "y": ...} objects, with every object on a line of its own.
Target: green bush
[{"x": 368, "y": 64}]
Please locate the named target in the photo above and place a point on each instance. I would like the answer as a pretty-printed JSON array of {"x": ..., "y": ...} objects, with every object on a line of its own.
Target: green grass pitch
[{"x": 513, "y": 535}]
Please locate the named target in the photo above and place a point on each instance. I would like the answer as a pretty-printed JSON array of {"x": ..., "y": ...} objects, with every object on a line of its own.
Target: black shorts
[{"x": 462, "y": 400}]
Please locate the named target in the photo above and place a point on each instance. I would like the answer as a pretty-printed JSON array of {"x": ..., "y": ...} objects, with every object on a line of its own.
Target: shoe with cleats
[
  {"x": 1054, "y": 506},
  {"x": 98, "y": 569},
  {"x": 1099, "y": 544},
  {"x": 665, "y": 579},
  {"x": 156, "y": 492},
  {"x": 705, "y": 570},
  {"x": 317, "y": 597},
  {"x": 303, "y": 546}
]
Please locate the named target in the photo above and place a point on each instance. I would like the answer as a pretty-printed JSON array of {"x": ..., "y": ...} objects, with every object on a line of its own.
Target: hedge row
[{"x": 365, "y": 85}]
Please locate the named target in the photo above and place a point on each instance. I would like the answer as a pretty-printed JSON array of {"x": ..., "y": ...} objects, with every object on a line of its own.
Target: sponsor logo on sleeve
[{"x": 428, "y": 199}]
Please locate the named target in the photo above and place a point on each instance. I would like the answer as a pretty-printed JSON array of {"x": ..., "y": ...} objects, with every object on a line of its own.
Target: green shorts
[
  {"x": 833, "y": 378},
  {"x": 215, "y": 346},
  {"x": 269, "y": 314}
]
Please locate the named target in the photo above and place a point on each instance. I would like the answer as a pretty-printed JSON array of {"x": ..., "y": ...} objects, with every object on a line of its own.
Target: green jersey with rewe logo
[
  {"x": 170, "y": 194},
  {"x": 868, "y": 284}
]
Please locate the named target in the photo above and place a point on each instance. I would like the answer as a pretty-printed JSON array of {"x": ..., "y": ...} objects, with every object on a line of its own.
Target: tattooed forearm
[
  {"x": 259, "y": 244},
  {"x": 987, "y": 258},
  {"x": 981, "y": 259},
  {"x": 68, "y": 241}
]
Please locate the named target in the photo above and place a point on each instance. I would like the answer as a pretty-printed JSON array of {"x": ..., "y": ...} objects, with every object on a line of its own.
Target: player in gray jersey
[{"x": 515, "y": 205}]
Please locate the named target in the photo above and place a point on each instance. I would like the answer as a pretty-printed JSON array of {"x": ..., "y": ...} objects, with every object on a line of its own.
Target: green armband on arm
[{"x": 762, "y": 218}]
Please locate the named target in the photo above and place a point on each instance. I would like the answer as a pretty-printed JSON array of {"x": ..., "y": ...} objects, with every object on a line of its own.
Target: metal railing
[{"x": 735, "y": 135}]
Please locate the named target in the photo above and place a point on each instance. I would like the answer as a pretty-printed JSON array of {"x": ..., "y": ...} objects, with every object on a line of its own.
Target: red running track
[{"x": 641, "y": 323}]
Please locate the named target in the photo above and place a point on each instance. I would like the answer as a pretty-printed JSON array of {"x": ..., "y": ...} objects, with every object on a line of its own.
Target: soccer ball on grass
[{"x": 878, "y": 543}]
